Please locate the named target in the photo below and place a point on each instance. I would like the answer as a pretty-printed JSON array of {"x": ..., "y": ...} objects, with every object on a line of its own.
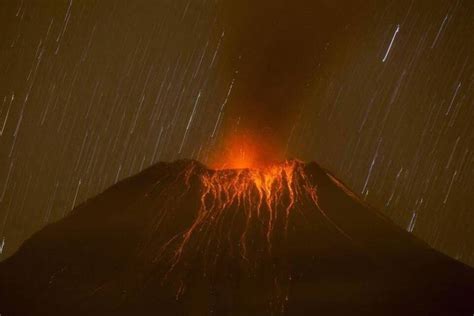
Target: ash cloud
[{"x": 273, "y": 48}]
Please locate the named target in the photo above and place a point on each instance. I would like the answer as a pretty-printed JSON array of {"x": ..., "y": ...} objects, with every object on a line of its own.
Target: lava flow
[{"x": 262, "y": 198}]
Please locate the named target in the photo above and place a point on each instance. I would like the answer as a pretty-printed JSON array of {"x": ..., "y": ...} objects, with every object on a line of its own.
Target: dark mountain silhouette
[{"x": 168, "y": 241}]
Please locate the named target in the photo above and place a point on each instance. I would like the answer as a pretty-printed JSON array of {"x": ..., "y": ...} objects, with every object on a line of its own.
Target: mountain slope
[{"x": 180, "y": 239}]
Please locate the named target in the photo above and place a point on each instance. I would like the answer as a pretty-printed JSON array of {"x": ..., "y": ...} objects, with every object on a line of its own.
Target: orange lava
[
  {"x": 262, "y": 195},
  {"x": 242, "y": 213}
]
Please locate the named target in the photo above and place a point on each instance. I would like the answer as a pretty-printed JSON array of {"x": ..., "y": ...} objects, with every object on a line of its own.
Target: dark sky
[{"x": 382, "y": 95}]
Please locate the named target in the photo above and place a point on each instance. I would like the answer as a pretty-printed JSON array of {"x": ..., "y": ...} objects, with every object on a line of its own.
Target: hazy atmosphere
[{"x": 381, "y": 95}]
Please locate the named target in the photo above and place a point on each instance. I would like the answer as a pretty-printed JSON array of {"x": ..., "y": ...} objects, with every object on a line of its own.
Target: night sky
[{"x": 380, "y": 94}]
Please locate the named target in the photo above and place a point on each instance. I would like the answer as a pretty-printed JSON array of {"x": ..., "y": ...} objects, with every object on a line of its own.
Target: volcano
[{"x": 182, "y": 239}]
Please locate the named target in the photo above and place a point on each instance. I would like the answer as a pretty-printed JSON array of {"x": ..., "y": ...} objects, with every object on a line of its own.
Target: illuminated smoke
[{"x": 272, "y": 50}]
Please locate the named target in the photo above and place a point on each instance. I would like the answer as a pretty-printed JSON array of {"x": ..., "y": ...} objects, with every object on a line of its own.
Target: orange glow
[
  {"x": 245, "y": 151},
  {"x": 243, "y": 212},
  {"x": 264, "y": 195}
]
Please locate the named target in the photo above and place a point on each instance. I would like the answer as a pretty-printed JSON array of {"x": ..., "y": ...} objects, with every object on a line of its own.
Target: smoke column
[{"x": 272, "y": 49}]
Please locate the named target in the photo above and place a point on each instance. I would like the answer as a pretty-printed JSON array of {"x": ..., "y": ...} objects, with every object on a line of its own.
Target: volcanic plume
[
  {"x": 182, "y": 239},
  {"x": 271, "y": 52}
]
